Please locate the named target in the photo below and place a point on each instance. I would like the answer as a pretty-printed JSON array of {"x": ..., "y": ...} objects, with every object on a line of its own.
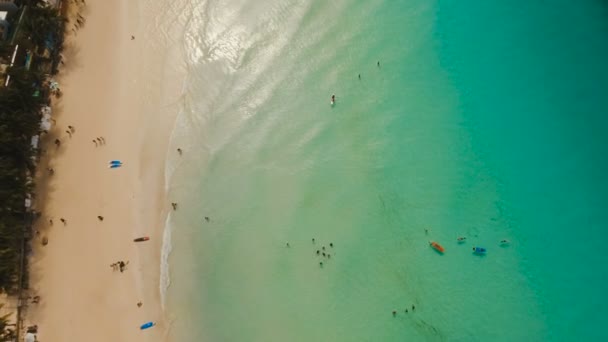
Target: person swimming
[{"x": 333, "y": 98}]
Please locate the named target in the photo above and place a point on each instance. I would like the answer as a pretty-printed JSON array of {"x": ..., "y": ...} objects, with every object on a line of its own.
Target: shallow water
[{"x": 482, "y": 120}]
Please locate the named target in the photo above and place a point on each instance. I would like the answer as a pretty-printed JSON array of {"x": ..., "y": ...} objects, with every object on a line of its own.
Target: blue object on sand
[
  {"x": 113, "y": 166},
  {"x": 147, "y": 325},
  {"x": 115, "y": 162},
  {"x": 479, "y": 250}
]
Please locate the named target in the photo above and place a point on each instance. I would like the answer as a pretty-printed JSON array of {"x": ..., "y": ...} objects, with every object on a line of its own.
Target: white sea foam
[{"x": 165, "y": 276}]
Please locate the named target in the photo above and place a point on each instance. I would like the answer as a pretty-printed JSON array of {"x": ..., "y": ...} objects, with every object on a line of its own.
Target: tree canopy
[{"x": 20, "y": 114}]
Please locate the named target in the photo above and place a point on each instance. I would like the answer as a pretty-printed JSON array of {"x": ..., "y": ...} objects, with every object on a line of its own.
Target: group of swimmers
[
  {"x": 320, "y": 252},
  {"x": 406, "y": 310}
]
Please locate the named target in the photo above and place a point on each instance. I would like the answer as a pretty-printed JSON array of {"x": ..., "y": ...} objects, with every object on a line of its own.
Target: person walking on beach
[
  {"x": 57, "y": 142},
  {"x": 100, "y": 218},
  {"x": 69, "y": 133},
  {"x": 174, "y": 205},
  {"x": 63, "y": 221},
  {"x": 179, "y": 150},
  {"x": 95, "y": 142},
  {"x": 51, "y": 221},
  {"x": 72, "y": 129}
]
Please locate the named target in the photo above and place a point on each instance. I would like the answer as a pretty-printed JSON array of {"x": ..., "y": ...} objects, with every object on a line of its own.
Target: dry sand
[{"x": 82, "y": 298}]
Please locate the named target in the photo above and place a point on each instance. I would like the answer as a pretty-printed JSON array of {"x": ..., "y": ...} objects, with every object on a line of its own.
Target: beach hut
[
  {"x": 4, "y": 25},
  {"x": 9, "y": 6},
  {"x": 29, "y": 337},
  {"x": 45, "y": 122},
  {"x": 34, "y": 141}
]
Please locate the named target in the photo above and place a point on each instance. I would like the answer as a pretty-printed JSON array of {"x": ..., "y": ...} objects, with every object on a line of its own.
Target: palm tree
[
  {"x": 20, "y": 105},
  {"x": 44, "y": 26}
]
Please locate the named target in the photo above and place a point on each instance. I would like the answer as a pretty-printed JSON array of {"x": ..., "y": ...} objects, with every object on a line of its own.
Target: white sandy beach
[{"x": 82, "y": 298}]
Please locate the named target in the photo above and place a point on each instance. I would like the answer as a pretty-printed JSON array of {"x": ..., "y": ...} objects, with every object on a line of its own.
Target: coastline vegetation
[{"x": 36, "y": 45}]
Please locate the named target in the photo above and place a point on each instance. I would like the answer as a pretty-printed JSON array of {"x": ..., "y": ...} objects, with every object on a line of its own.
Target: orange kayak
[{"x": 439, "y": 248}]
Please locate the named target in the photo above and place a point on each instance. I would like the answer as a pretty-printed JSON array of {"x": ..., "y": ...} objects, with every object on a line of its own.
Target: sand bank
[{"x": 82, "y": 298}]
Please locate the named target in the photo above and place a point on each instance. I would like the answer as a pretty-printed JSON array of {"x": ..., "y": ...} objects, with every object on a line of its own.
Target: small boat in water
[
  {"x": 479, "y": 250},
  {"x": 462, "y": 239},
  {"x": 437, "y": 246}
]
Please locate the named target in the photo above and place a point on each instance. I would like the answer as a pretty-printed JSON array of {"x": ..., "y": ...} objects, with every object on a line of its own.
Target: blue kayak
[
  {"x": 147, "y": 325},
  {"x": 479, "y": 250}
]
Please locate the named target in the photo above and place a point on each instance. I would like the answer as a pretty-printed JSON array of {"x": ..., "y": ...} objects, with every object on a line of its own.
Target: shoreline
[{"x": 81, "y": 297}]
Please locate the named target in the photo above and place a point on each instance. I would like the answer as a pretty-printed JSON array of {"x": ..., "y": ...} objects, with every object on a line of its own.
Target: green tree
[{"x": 43, "y": 26}]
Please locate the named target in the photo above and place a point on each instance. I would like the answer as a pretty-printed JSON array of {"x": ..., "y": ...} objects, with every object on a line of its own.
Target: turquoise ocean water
[{"x": 485, "y": 119}]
